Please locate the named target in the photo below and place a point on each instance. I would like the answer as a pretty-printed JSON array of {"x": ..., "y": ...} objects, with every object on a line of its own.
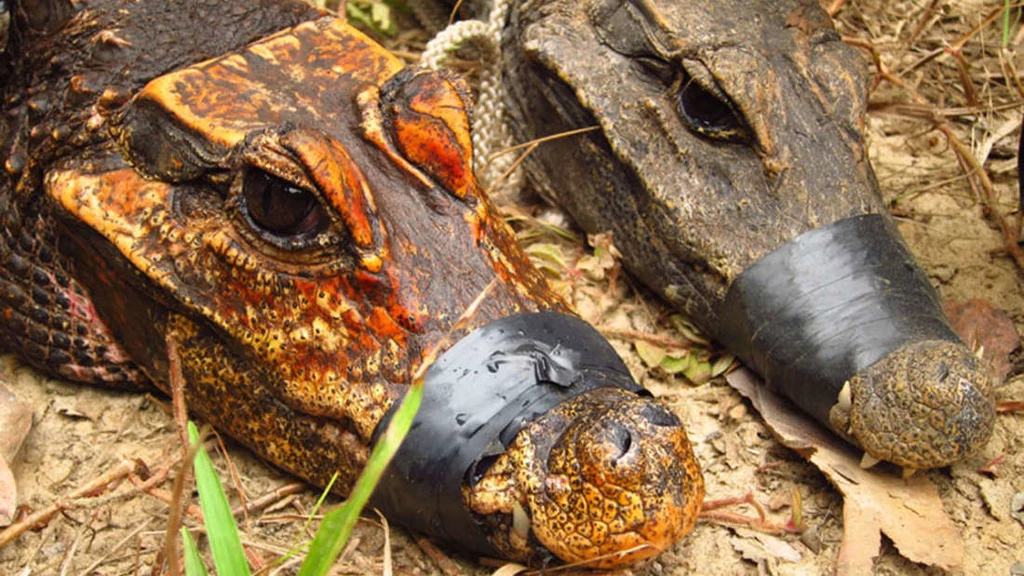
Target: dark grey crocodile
[{"x": 731, "y": 169}]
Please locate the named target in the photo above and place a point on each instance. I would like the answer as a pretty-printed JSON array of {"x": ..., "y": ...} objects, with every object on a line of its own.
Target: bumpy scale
[{"x": 273, "y": 192}]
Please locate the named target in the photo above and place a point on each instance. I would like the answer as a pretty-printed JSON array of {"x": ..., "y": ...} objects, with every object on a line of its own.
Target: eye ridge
[
  {"x": 279, "y": 208},
  {"x": 706, "y": 114}
]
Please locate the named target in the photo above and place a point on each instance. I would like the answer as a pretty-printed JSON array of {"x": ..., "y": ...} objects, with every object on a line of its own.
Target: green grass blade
[
  {"x": 295, "y": 549},
  {"x": 1006, "y": 23},
  {"x": 337, "y": 524},
  {"x": 193, "y": 563},
  {"x": 225, "y": 544}
]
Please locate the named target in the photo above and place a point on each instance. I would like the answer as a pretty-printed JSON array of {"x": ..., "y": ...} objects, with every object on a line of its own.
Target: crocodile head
[
  {"x": 724, "y": 130},
  {"x": 297, "y": 220}
]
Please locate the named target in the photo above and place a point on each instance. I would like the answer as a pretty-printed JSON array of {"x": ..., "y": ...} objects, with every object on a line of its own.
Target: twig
[
  {"x": 69, "y": 556},
  {"x": 236, "y": 480},
  {"x": 73, "y": 500},
  {"x": 709, "y": 511},
  {"x": 1010, "y": 406},
  {"x": 271, "y": 497},
  {"x": 134, "y": 532},
  {"x": 441, "y": 560},
  {"x": 633, "y": 335},
  {"x": 976, "y": 174}
]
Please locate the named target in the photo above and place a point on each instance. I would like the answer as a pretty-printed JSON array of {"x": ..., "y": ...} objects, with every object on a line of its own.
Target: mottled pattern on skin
[
  {"x": 598, "y": 475},
  {"x": 922, "y": 414},
  {"x": 341, "y": 324},
  {"x": 134, "y": 211},
  {"x": 715, "y": 148}
]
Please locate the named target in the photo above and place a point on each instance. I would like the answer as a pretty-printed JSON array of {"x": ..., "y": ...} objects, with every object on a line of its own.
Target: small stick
[
  {"x": 96, "y": 486},
  {"x": 117, "y": 546},
  {"x": 709, "y": 511},
  {"x": 443, "y": 562},
  {"x": 1010, "y": 406},
  {"x": 69, "y": 556},
  {"x": 177, "y": 383},
  {"x": 633, "y": 335},
  {"x": 271, "y": 497},
  {"x": 387, "y": 565},
  {"x": 973, "y": 168}
]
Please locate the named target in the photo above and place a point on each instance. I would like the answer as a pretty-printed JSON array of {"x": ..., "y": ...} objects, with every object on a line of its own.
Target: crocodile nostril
[
  {"x": 658, "y": 416},
  {"x": 621, "y": 438}
]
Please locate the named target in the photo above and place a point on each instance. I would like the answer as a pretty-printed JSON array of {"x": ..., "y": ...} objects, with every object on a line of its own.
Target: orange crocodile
[{"x": 273, "y": 192}]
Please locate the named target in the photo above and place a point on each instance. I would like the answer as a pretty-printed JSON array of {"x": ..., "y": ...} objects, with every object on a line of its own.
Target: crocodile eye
[
  {"x": 707, "y": 114},
  {"x": 279, "y": 207}
]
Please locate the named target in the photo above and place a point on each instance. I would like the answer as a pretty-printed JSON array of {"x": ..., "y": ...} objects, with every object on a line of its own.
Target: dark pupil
[
  {"x": 279, "y": 207},
  {"x": 705, "y": 111}
]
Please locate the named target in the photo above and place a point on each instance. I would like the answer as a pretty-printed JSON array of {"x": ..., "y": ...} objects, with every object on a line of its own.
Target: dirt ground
[{"x": 928, "y": 46}]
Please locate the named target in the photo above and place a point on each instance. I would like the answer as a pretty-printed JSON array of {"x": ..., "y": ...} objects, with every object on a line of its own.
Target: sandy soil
[{"x": 80, "y": 433}]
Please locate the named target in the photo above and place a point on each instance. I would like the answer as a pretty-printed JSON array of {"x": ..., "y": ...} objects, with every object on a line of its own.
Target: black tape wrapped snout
[
  {"x": 659, "y": 416},
  {"x": 477, "y": 396},
  {"x": 827, "y": 305}
]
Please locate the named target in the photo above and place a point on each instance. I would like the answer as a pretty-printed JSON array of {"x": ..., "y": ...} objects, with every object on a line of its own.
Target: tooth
[
  {"x": 980, "y": 352},
  {"x": 844, "y": 401},
  {"x": 908, "y": 472},
  {"x": 520, "y": 521},
  {"x": 868, "y": 461}
]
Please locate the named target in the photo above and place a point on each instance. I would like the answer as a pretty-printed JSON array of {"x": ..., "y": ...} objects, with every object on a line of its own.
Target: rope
[{"x": 490, "y": 121}]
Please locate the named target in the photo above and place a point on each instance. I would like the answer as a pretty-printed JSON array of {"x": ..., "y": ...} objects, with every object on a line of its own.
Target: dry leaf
[
  {"x": 651, "y": 355},
  {"x": 510, "y": 569},
  {"x": 1017, "y": 507},
  {"x": 698, "y": 372},
  {"x": 15, "y": 422},
  {"x": 983, "y": 326},
  {"x": 909, "y": 512},
  {"x": 757, "y": 546}
]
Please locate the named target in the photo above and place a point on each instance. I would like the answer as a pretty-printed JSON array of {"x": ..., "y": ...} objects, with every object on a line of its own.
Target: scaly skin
[
  {"x": 921, "y": 404},
  {"x": 297, "y": 215},
  {"x": 591, "y": 485},
  {"x": 727, "y": 129}
]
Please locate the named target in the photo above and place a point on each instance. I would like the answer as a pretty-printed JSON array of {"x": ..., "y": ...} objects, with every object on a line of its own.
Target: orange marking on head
[
  {"x": 331, "y": 168},
  {"x": 432, "y": 130},
  {"x": 224, "y": 99}
]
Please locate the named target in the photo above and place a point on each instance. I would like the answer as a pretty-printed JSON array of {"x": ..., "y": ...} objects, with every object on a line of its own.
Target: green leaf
[
  {"x": 546, "y": 253},
  {"x": 225, "y": 544},
  {"x": 723, "y": 363},
  {"x": 675, "y": 365},
  {"x": 651, "y": 355},
  {"x": 1006, "y": 24},
  {"x": 688, "y": 330},
  {"x": 698, "y": 372},
  {"x": 374, "y": 14},
  {"x": 380, "y": 13},
  {"x": 337, "y": 524},
  {"x": 299, "y": 547},
  {"x": 193, "y": 563}
]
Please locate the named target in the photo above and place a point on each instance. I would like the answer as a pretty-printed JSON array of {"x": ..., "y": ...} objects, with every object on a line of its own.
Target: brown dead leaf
[
  {"x": 1017, "y": 506},
  {"x": 757, "y": 546},
  {"x": 908, "y": 511},
  {"x": 981, "y": 325},
  {"x": 15, "y": 422}
]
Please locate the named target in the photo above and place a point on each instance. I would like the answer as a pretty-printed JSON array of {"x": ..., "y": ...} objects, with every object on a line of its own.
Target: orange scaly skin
[{"x": 299, "y": 216}]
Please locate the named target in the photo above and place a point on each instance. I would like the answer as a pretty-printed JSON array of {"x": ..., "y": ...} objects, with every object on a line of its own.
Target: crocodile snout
[{"x": 925, "y": 405}]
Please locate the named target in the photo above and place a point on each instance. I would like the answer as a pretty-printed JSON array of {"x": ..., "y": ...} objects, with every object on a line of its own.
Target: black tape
[
  {"x": 476, "y": 397},
  {"x": 828, "y": 304}
]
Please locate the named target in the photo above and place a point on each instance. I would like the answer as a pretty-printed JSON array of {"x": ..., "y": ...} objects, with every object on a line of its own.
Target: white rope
[{"x": 490, "y": 128}]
